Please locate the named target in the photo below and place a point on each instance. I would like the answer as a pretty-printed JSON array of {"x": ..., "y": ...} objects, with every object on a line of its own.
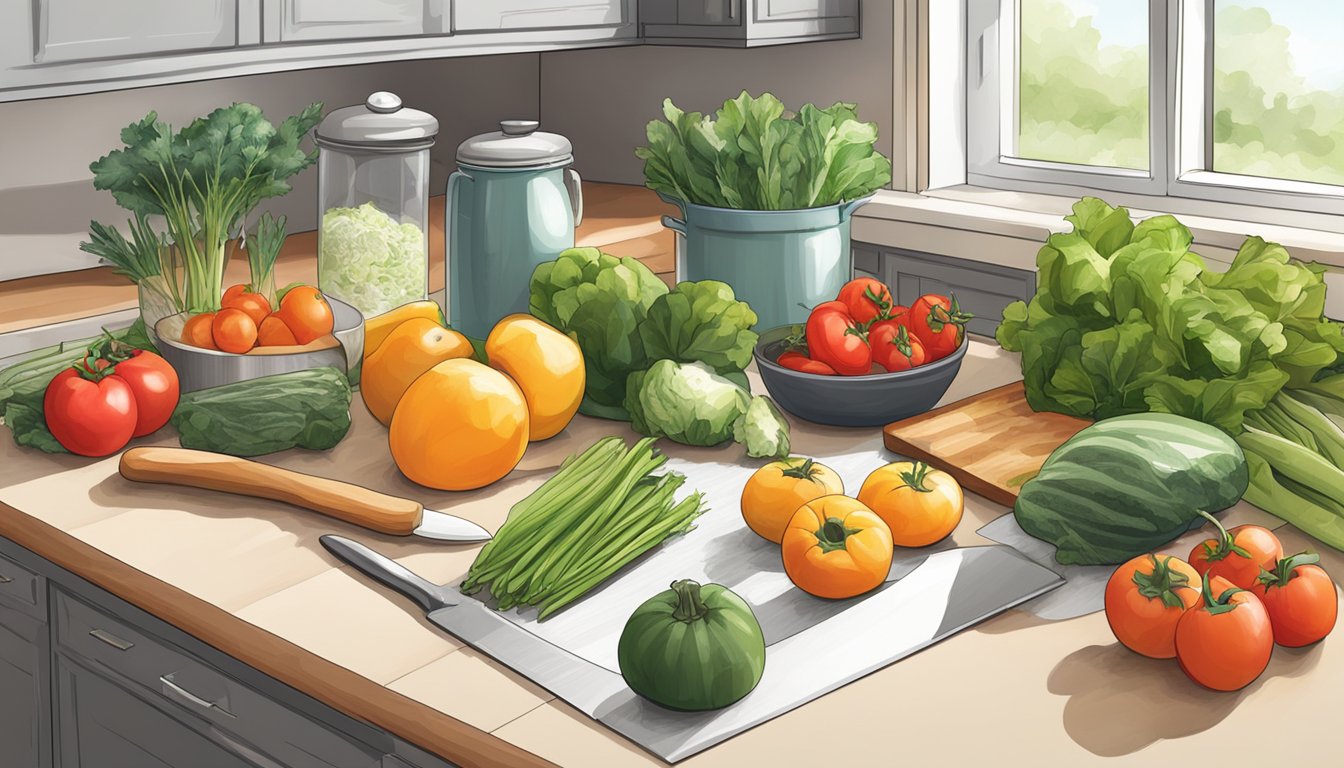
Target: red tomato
[
  {"x": 1300, "y": 599},
  {"x": 1237, "y": 555},
  {"x": 867, "y": 299},
  {"x": 91, "y": 414},
  {"x": 254, "y": 304},
  {"x": 154, "y": 386},
  {"x": 233, "y": 331},
  {"x": 836, "y": 339},
  {"x": 938, "y": 323},
  {"x": 1145, "y": 599},
  {"x": 893, "y": 347},
  {"x": 1225, "y": 641},
  {"x": 800, "y": 362},
  {"x": 306, "y": 312}
]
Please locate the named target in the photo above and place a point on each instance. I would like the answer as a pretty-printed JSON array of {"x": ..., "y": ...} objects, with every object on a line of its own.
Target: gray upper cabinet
[
  {"x": 538, "y": 14},
  {"x": 73, "y": 30},
  {"x": 289, "y": 21},
  {"x": 746, "y": 23}
]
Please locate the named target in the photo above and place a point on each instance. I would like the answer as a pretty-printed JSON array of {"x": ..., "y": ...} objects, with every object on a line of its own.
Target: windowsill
[{"x": 1007, "y": 228}]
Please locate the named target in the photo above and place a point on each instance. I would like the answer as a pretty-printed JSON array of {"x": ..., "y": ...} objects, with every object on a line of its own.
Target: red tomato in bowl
[
  {"x": 799, "y": 362},
  {"x": 1300, "y": 599},
  {"x": 835, "y": 338},
  {"x": 893, "y": 347},
  {"x": 867, "y": 299},
  {"x": 938, "y": 323},
  {"x": 240, "y": 297}
]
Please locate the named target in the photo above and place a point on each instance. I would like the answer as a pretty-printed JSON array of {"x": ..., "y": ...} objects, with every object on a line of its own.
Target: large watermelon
[{"x": 1127, "y": 485}]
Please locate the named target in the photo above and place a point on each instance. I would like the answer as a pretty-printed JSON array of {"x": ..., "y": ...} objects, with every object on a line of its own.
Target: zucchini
[{"x": 1130, "y": 484}]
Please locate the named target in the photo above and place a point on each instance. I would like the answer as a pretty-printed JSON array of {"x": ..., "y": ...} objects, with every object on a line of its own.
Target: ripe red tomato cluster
[
  {"x": 864, "y": 331},
  {"x": 115, "y": 393},
  {"x": 1220, "y": 614}
]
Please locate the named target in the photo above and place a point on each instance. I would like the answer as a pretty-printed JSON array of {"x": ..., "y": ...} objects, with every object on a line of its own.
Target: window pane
[
  {"x": 1083, "y": 82},
  {"x": 1278, "y": 89}
]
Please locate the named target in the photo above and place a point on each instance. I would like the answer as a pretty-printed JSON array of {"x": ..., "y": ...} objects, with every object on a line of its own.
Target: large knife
[{"x": 344, "y": 501}]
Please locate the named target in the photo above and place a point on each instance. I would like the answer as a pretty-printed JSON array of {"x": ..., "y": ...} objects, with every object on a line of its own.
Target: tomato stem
[
  {"x": 1162, "y": 582},
  {"x": 1221, "y": 604},
  {"x": 914, "y": 479},
  {"x": 1226, "y": 543},
  {"x": 808, "y": 470},
  {"x": 832, "y": 534},
  {"x": 1285, "y": 568},
  {"x": 690, "y": 607}
]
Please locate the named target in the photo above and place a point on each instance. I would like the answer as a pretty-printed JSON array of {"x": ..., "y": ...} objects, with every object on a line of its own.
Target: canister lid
[
  {"x": 517, "y": 144},
  {"x": 381, "y": 121}
]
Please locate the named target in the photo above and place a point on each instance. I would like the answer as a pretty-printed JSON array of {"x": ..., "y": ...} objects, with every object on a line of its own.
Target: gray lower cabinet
[
  {"x": 25, "y": 660},
  {"x": 981, "y": 289},
  {"x": 88, "y": 681}
]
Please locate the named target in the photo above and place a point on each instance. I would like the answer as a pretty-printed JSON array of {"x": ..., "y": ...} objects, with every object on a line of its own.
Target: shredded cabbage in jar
[{"x": 370, "y": 261}]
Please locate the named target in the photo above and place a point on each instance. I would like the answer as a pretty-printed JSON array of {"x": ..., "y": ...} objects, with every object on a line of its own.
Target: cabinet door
[
  {"x": 69, "y": 30},
  {"x": 25, "y": 716},
  {"x": 473, "y": 16},
  {"x": 102, "y": 725},
  {"x": 981, "y": 289},
  {"x": 300, "y": 20},
  {"x": 786, "y": 10}
]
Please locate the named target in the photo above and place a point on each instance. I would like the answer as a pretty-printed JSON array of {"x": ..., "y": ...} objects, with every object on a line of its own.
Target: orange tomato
[
  {"x": 412, "y": 348},
  {"x": 836, "y": 547},
  {"x": 1145, "y": 599},
  {"x": 919, "y": 504},
  {"x": 306, "y": 311},
  {"x": 240, "y": 297},
  {"x": 774, "y": 492},
  {"x": 272, "y": 332},
  {"x": 460, "y": 425},
  {"x": 1224, "y": 642},
  {"x": 1300, "y": 599},
  {"x": 1238, "y": 554},
  {"x": 233, "y": 331},
  {"x": 546, "y": 364},
  {"x": 197, "y": 331}
]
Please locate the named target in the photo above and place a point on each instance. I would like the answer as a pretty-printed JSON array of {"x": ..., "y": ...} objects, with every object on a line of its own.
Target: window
[{"x": 1227, "y": 100}]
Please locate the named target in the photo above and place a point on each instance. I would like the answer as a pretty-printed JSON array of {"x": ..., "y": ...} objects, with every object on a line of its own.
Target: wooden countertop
[
  {"x": 251, "y": 579},
  {"x": 621, "y": 219}
]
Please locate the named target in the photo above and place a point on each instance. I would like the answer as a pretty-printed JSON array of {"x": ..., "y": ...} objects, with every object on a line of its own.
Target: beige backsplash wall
[
  {"x": 46, "y": 189},
  {"x": 601, "y": 99}
]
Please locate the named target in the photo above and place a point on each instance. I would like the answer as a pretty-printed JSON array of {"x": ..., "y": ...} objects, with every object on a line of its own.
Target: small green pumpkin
[{"x": 692, "y": 648}]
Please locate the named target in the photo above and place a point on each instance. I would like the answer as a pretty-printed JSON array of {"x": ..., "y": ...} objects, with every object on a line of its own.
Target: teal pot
[
  {"x": 512, "y": 205},
  {"x": 780, "y": 262}
]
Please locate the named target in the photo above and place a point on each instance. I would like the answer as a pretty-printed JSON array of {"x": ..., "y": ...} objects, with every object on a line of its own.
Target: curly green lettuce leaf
[{"x": 701, "y": 321}]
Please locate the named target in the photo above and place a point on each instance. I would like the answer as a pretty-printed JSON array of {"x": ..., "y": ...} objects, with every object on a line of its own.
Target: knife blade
[{"x": 343, "y": 501}]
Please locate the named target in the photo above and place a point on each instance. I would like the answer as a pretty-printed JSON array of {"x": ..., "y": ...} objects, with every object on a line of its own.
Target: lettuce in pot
[{"x": 368, "y": 259}]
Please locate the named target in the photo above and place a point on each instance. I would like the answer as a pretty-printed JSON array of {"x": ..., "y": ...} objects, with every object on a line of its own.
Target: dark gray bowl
[{"x": 853, "y": 401}]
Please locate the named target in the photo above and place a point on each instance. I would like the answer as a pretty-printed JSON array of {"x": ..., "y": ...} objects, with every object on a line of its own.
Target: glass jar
[{"x": 373, "y": 204}]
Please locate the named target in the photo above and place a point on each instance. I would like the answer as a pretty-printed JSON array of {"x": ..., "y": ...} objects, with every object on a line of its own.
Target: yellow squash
[
  {"x": 461, "y": 425},
  {"x": 546, "y": 364},
  {"x": 410, "y": 349}
]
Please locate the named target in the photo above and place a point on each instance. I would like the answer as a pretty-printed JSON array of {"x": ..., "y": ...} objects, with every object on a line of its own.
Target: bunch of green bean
[{"x": 601, "y": 510}]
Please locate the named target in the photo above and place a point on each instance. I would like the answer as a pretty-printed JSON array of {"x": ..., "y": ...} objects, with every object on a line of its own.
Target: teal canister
[
  {"x": 513, "y": 204},
  {"x": 780, "y": 262}
]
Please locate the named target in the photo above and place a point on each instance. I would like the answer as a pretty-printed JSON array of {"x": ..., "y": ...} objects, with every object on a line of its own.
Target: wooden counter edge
[{"x": 333, "y": 685}]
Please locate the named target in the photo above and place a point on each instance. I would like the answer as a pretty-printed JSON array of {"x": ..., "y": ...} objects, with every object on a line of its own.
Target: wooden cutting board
[{"x": 991, "y": 442}]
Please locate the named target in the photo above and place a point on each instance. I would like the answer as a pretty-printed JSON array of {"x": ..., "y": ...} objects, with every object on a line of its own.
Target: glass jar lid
[
  {"x": 517, "y": 144},
  {"x": 381, "y": 122}
]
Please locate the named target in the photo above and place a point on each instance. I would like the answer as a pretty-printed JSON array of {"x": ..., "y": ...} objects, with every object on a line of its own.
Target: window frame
[{"x": 1180, "y": 113}]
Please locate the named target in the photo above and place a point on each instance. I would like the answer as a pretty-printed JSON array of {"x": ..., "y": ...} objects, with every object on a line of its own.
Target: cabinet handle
[
  {"x": 5, "y": 579},
  {"x": 111, "y": 639},
  {"x": 173, "y": 690},
  {"x": 240, "y": 750}
]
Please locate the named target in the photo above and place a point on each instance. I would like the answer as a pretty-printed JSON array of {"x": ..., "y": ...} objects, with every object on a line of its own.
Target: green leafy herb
[
  {"x": 753, "y": 155},
  {"x": 204, "y": 180},
  {"x": 263, "y": 249},
  {"x": 304, "y": 409}
]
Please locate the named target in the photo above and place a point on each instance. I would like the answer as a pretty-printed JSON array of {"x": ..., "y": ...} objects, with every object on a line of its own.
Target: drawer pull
[
  {"x": 111, "y": 639},
  {"x": 5, "y": 579},
  {"x": 174, "y": 691}
]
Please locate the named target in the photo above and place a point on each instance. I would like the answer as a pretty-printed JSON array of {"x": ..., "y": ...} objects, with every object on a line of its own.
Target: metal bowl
[
  {"x": 199, "y": 368},
  {"x": 853, "y": 401}
]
